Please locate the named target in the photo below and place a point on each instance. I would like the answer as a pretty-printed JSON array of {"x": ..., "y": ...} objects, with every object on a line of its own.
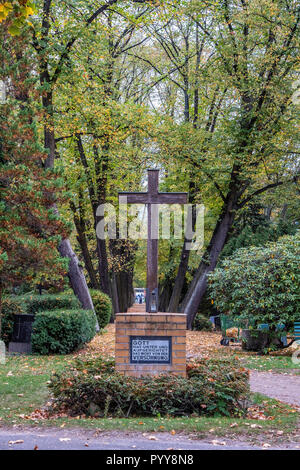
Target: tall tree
[
  {"x": 53, "y": 42},
  {"x": 99, "y": 126},
  {"x": 30, "y": 230},
  {"x": 256, "y": 47}
]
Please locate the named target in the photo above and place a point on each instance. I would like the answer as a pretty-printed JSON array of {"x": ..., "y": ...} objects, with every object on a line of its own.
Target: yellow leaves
[
  {"x": 29, "y": 11},
  {"x": 19, "y": 11},
  {"x": 5, "y": 9}
]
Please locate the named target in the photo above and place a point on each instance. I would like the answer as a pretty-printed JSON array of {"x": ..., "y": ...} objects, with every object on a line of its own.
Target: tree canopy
[{"x": 205, "y": 91}]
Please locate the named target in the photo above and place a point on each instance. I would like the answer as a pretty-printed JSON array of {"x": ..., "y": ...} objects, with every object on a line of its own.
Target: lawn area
[{"x": 23, "y": 390}]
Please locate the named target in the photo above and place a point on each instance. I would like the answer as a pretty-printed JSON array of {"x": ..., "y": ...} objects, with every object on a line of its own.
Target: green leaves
[
  {"x": 260, "y": 283},
  {"x": 103, "y": 307},
  {"x": 211, "y": 387},
  {"x": 62, "y": 331},
  {"x": 17, "y": 13}
]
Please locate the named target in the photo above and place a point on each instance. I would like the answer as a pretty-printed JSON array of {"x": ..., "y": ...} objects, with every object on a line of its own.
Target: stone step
[{"x": 137, "y": 308}]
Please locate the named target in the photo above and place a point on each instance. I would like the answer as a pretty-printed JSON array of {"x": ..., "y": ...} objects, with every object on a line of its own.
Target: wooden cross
[{"x": 152, "y": 198}]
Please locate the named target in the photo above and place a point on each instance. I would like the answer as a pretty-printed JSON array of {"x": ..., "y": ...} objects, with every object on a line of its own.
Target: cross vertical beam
[{"x": 152, "y": 243}]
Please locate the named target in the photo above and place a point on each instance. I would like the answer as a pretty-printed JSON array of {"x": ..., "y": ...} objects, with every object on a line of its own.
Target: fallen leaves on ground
[
  {"x": 218, "y": 443},
  {"x": 256, "y": 412},
  {"x": 198, "y": 344}
]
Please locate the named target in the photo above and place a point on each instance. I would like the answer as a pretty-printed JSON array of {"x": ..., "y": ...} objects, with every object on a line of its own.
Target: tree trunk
[
  {"x": 173, "y": 306},
  {"x": 103, "y": 266},
  {"x": 209, "y": 261},
  {"x": 164, "y": 296},
  {"x": 184, "y": 259},
  {"x": 80, "y": 225},
  {"x": 76, "y": 275},
  {"x": 88, "y": 261},
  {"x": 115, "y": 297}
]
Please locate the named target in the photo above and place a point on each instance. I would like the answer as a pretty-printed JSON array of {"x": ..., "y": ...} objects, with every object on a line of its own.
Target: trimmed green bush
[
  {"x": 202, "y": 323},
  {"x": 62, "y": 331},
  {"x": 94, "y": 388},
  {"x": 40, "y": 303},
  {"x": 10, "y": 307},
  {"x": 260, "y": 283},
  {"x": 103, "y": 307}
]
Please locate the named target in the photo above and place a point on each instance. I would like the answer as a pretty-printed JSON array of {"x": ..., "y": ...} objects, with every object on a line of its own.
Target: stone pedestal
[
  {"x": 151, "y": 344},
  {"x": 22, "y": 348}
]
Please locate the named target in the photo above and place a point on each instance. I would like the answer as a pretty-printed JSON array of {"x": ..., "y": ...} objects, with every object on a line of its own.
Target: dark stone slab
[
  {"x": 22, "y": 328},
  {"x": 22, "y": 348}
]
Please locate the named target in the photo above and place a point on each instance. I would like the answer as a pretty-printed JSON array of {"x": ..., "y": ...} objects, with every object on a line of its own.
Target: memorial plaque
[{"x": 150, "y": 349}]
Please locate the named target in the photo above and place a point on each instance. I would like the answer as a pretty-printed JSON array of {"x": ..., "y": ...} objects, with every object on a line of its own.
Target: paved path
[
  {"x": 283, "y": 387},
  {"x": 57, "y": 439}
]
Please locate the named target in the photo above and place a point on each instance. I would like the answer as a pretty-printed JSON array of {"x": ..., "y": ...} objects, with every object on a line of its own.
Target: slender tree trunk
[
  {"x": 103, "y": 266},
  {"x": 164, "y": 296},
  {"x": 210, "y": 258},
  {"x": 97, "y": 196},
  {"x": 81, "y": 238},
  {"x": 165, "y": 288},
  {"x": 283, "y": 211},
  {"x": 115, "y": 297},
  {"x": 184, "y": 260},
  {"x": 209, "y": 262},
  {"x": 75, "y": 273}
]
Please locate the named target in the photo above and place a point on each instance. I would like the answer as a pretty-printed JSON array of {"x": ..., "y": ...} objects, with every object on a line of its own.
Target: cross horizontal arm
[
  {"x": 160, "y": 198},
  {"x": 170, "y": 198},
  {"x": 134, "y": 198}
]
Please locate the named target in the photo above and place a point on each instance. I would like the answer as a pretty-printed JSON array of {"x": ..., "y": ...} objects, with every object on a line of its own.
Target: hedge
[
  {"x": 103, "y": 307},
  {"x": 62, "y": 331},
  {"x": 202, "y": 323},
  {"x": 39, "y": 303},
  {"x": 94, "y": 388}
]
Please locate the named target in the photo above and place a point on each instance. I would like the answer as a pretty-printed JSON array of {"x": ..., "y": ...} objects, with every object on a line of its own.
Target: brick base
[{"x": 147, "y": 324}]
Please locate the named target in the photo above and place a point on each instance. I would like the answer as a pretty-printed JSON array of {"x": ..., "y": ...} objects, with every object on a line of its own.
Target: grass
[
  {"x": 253, "y": 361},
  {"x": 270, "y": 363},
  {"x": 23, "y": 389}
]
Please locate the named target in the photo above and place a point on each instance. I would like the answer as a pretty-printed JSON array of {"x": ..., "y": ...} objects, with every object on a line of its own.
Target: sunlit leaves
[{"x": 16, "y": 12}]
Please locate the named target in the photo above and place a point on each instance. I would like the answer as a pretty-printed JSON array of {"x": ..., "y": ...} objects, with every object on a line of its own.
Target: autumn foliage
[
  {"x": 212, "y": 386},
  {"x": 30, "y": 228}
]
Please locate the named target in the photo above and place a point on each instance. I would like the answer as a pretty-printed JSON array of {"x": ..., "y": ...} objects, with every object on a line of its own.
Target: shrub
[
  {"x": 62, "y": 331},
  {"x": 40, "y": 303},
  {"x": 103, "y": 307},
  {"x": 9, "y": 308},
  {"x": 260, "y": 283},
  {"x": 202, "y": 323},
  {"x": 211, "y": 387}
]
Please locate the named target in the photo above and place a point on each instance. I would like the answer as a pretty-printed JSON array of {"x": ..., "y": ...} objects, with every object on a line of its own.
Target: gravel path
[{"x": 283, "y": 387}]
